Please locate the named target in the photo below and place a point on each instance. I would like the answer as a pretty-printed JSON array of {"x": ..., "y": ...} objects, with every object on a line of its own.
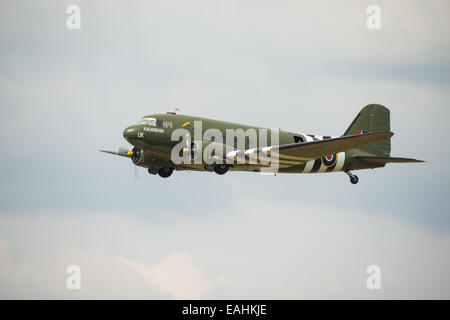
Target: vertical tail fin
[{"x": 372, "y": 118}]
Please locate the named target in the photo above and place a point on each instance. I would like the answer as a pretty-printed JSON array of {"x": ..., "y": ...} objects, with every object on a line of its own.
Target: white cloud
[
  {"x": 252, "y": 249},
  {"x": 175, "y": 274}
]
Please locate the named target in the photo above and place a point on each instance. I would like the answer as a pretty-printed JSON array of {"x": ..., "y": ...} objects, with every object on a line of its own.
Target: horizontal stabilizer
[{"x": 381, "y": 160}]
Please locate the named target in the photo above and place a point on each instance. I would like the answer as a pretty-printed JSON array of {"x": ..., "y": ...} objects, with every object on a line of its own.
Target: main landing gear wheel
[
  {"x": 353, "y": 178},
  {"x": 221, "y": 169},
  {"x": 165, "y": 172}
]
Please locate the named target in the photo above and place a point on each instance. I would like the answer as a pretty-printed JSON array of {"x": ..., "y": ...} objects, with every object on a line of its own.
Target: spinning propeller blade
[{"x": 123, "y": 152}]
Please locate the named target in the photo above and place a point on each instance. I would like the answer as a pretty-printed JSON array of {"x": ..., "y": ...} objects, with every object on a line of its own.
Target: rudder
[{"x": 372, "y": 118}]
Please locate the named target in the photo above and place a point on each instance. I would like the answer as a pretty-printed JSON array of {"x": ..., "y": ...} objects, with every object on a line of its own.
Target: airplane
[{"x": 366, "y": 144}]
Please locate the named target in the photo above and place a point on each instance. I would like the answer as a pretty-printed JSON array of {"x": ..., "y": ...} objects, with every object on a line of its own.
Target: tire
[
  {"x": 221, "y": 169},
  {"x": 165, "y": 172}
]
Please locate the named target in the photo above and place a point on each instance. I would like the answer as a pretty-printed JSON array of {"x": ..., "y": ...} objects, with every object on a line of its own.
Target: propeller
[
  {"x": 123, "y": 152},
  {"x": 136, "y": 173}
]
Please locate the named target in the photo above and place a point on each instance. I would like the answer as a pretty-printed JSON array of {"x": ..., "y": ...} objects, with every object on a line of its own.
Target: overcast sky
[{"x": 302, "y": 66}]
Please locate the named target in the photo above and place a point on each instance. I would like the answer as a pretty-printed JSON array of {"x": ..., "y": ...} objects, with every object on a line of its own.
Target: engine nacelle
[{"x": 147, "y": 159}]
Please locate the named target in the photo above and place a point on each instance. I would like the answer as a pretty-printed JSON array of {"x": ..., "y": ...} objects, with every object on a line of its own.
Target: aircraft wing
[{"x": 306, "y": 151}]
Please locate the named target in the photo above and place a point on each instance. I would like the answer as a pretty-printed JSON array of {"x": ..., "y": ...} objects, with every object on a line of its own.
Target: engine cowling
[
  {"x": 148, "y": 159},
  {"x": 138, "y": 156}
]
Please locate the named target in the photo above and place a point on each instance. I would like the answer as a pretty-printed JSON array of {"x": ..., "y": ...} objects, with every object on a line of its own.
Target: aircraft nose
[{"x": 130, "y": 133}]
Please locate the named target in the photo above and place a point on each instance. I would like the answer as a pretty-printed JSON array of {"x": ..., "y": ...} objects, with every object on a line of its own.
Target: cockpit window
[
  {"x": 148, "y": 121},
  {"x": 159, "y": 123}
]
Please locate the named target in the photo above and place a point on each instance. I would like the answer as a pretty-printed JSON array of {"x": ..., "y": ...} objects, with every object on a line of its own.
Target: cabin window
[
  {"x": 298, "y": 139},
  {"x": 148, "y": 121}
]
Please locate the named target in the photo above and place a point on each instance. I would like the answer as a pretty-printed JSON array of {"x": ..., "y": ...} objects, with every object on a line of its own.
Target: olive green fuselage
[{"x": 154, "y": 139}]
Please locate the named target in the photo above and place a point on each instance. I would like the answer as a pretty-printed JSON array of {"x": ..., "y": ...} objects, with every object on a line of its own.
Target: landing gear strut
[
  {"x": 353, "y": 178},
  {"x": 165, "y": 172}
]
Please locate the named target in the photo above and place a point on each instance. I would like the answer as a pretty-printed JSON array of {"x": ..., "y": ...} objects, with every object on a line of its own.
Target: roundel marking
[{"x": 330, "y": 160}]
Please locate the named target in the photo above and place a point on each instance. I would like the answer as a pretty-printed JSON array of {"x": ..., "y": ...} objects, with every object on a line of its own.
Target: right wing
[{"x": 307, "y": 151}]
